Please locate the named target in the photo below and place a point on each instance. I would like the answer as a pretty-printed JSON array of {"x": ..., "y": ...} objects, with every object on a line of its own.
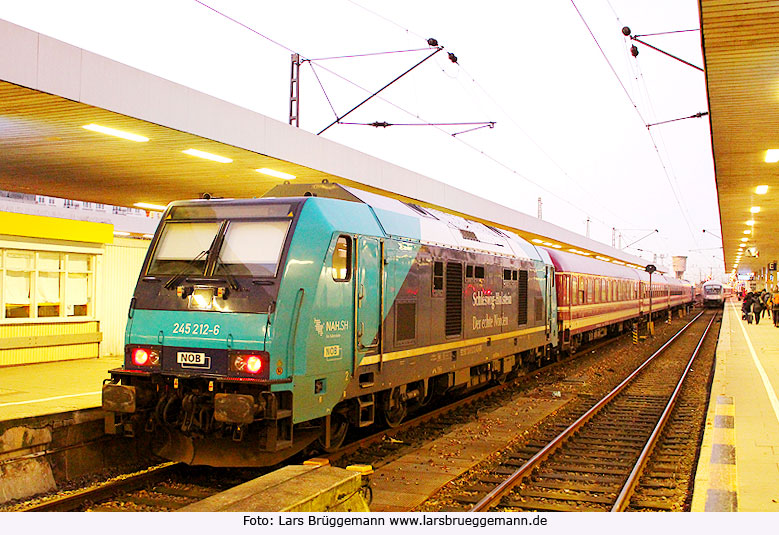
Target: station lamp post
[{"x": 650, "y": 268}]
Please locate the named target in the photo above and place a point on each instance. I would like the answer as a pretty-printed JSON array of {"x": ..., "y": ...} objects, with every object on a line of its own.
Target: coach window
[
  {"x": 342, "y": 259},
  {"x": 574, "y": 290}
]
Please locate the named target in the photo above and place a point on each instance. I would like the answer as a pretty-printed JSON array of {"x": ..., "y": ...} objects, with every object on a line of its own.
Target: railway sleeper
[
  {"x": 565, "y": 496},
  {"x": 533, "y": 505},
  {"x": 578, "y": 486}
]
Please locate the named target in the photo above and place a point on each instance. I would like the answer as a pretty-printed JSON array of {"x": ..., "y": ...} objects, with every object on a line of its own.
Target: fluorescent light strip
[
  {"x": 207, "y": 156},
  {"x": 277, "y": 174},
  {"x": 116, "y": 133},
  {"x": 149, "y": 206},
  {"x": 755, "y": 209},
  {"x": 121, "y": 233},
  {"x": 761, "y": 190},
  {"x": 772, "y": 156}
]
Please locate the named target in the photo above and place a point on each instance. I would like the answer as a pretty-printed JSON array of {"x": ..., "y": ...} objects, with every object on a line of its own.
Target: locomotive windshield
[
  {"x": 230, "y": 247},
  {"x": 252, "y": 248},
  {"x": 183, "y": 248}
]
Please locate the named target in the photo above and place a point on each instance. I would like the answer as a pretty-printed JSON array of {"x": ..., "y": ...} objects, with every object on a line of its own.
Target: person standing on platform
[
  {"x": 766, "y": 297},
  {"x": 746, "y": 307},
  {"x": 775, "y": 309},
  {"x": 757, "y": 308}
]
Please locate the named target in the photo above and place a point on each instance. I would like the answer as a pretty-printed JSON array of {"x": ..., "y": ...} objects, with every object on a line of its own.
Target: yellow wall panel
[
  {"x": 30, "y": 355},
  {"x": 42, "y": 227}
]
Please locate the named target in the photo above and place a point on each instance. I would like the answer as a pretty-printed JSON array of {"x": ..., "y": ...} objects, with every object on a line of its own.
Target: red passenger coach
[{"x": 596, "y": 298}]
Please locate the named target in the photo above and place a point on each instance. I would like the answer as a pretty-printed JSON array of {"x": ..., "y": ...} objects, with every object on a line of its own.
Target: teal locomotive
[{"x": 260, "y": 327}]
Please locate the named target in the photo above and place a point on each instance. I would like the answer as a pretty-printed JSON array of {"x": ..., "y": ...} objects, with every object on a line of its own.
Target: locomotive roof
[{"x": 428, "y": 225}]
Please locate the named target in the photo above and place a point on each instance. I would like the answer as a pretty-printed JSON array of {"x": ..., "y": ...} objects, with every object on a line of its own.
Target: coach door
[
  {"x": 369, "y": 295},
  {"x": 551, "y": 305}
]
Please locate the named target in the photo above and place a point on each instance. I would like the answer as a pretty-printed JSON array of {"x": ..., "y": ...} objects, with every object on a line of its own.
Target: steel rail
[
  {"x": 379, "y": 436},
  {"x": 526, "y": 469},
  {"x": 71, "y": 502},
  {"x": 623, "y": 499}
]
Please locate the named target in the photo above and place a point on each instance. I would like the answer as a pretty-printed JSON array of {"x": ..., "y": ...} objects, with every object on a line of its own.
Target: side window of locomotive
[
  {"x": 342, "y": 259},
  {"x": 438, "y": 279},
  {"x": 478, "y": 272}
]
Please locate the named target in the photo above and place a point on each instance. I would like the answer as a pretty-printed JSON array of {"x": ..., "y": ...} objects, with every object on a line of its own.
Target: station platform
[
  {"x": 738, "y": 469},
  {"x": 55, "y": 387}
]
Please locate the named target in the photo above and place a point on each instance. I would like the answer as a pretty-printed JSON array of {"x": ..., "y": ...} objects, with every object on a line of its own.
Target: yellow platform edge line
[{"x": 710, "y": 475}]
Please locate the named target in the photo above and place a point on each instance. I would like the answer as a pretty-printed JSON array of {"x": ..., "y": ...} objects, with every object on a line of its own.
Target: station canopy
[
  {"x": 741, "y": 46},
  {"x": 58, "y": 101}
]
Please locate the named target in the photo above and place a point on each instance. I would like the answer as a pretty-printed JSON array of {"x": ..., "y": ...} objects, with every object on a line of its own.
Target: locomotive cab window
[{"x": 342, "y": 259}]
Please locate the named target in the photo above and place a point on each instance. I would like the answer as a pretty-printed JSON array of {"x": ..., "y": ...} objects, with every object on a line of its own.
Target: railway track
[
  {"x": 601, "y": 458},
  {"x": 165, "y": 487},
  {"x": 168, "y": 486}
]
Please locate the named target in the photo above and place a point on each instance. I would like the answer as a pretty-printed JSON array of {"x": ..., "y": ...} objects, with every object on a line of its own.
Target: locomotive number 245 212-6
[{"x": 195, "y": 328}]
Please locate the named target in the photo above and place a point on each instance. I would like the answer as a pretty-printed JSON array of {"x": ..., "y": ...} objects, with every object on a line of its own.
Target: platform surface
[
  {"x": 54, "y": 387},
  {"x": 739, "y": 465}
]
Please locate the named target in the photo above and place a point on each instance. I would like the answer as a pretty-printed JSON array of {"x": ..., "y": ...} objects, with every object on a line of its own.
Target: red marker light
[
  {"x": 253, "y": 364},
  {"x": 140, "y": 356}
]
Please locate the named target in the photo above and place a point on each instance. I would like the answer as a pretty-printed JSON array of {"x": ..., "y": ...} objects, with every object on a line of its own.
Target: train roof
[{"x": 574, "y": 263}]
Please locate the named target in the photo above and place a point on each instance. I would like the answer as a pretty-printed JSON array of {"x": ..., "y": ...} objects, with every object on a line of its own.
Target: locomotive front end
[{"x": 200, "y": 376}]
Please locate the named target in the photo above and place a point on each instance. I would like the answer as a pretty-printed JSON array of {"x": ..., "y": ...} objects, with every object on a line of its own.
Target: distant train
[
  {"x": 261, "y": 327},
  {"x": 713, "y": 294}
]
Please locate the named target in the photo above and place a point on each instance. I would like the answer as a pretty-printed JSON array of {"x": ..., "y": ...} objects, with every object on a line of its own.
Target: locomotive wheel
[
  {"x": 393, "y": 408},
  {"x": 339, "y": 426}
]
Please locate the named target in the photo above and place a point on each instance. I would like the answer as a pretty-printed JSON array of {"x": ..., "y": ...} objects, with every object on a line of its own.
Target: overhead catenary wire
[
  {"x": 516, "y": 124},
  {"x": 417, "y": 116},
  {"x": 541, "y": 149},
  {"x": 369, "y": 54},
  {"x": 643, "y": 120}
]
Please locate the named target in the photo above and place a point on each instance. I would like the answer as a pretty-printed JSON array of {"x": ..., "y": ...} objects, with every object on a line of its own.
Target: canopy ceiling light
[
  {"x": 207, "y": 156},
  {"x": 149, "y": 206},
  {"x": 277, "y": 174},
  {"x": 116, "y": 133}
]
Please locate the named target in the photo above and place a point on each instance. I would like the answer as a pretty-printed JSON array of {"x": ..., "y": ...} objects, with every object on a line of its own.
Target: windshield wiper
[
  {"x": 231, "y": 280},
  {"x": 173, "y": 281}
]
